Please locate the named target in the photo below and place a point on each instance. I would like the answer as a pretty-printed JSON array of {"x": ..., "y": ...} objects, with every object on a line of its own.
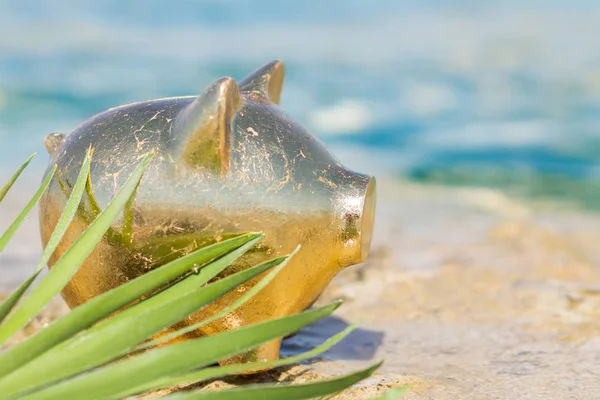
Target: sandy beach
[{"x": 467, "y": 294}]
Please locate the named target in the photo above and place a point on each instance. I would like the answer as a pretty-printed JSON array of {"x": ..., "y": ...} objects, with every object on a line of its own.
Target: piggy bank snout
[
  {"x": 368, "y": 219},
  {"x": 358, "y": 215}
]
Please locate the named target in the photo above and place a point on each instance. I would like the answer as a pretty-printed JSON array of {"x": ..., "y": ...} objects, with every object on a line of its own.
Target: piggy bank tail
[{"x": 54, "y": 142}]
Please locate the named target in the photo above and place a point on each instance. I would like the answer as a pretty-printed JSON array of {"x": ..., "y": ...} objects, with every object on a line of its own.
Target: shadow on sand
[{"x": 360, "y": 344}]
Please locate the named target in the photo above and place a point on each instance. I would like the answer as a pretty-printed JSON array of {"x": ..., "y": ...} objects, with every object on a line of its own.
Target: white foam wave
[
  {"x": 506, "y": 134},
  {"x": 348, "y": 116}
]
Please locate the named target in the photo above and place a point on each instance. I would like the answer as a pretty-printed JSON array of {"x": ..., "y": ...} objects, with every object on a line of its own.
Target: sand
[{"x": 467, "y": 294}]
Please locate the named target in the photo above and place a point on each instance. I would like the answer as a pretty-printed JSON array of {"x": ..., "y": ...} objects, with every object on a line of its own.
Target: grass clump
[{"x": 81, "y": 355}]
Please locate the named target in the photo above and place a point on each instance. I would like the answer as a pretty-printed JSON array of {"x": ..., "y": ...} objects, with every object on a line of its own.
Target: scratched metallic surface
[{"x": 226, "y": 162}]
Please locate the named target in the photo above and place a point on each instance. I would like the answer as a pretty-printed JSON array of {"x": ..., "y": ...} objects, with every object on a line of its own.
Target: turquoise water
[{"x": 502, "y": 94}]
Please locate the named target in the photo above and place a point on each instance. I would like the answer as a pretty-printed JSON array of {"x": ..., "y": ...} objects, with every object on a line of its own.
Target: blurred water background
[{"x": 503, "y": 94}]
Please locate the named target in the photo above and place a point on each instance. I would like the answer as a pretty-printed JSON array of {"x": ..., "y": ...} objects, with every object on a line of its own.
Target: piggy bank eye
[{"x": 53, "y": 142}]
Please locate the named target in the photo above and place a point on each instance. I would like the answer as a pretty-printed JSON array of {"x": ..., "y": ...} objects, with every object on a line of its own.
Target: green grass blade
[
  {"x": 127, "y": 233},
  {"x": 279, "y": 391},
  {"x": 14, "y": 178},
  {"x": 65, "y": 219},
  {"x": 95, "y": 208},
  {"x": 67, "y": 214},
  {"x": 66, "y": 266},
  {"x": 17, "y": 222},
  {"x": 117, "y": 336},
  {"x": 218, "y": 372},
  {"x": 7, "y": 304},
  {"x": 103, "y": 305},
  {"x": 191, "y": 285},
  {"x": 233, "y": 306},
  {"x": 175, "y": 359}
]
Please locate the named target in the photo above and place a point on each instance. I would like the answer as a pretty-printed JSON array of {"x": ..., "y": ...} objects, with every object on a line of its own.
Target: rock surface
[{"x": 468, "y": 294}]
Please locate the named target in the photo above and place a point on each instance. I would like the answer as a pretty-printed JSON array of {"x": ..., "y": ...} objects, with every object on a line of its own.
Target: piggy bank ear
[
  {"x": 204, "y": 127},
  {"x": 267, "y": 80}
]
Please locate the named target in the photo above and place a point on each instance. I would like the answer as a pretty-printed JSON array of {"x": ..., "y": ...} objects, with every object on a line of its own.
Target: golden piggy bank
[{"x": 226, "y": 162}]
